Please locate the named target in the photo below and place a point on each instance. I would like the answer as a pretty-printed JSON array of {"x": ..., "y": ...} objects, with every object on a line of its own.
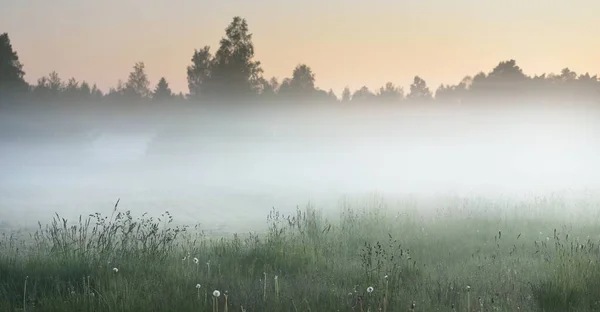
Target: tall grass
[{"x": 476, "y": 256}]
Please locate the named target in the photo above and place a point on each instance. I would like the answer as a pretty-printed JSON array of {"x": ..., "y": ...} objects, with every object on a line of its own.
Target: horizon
[{"x": 442, "y": 48}]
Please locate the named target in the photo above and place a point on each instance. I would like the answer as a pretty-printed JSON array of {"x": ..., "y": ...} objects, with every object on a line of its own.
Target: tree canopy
[
  {"x": 232, "y": 73},
  {"x": 11, "y": 69}
]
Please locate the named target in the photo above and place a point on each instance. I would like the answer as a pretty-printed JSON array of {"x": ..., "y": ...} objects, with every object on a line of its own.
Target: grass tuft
[{"x": 462, "y": 256}]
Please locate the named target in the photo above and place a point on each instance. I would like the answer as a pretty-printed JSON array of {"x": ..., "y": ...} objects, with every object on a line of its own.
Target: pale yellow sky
[{"x": 352, "y": 43}]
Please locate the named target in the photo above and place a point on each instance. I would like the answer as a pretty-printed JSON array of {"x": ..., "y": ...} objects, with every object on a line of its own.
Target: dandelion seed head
[
  {"x": 196, "y": 260},
  {"x": 198, "y": 286},
  {"x": 468, "y": 287},
  {"x": 216, "y": 293},
  {"x": 370, "y": 289},
  {"x": 115, "y": 270}
]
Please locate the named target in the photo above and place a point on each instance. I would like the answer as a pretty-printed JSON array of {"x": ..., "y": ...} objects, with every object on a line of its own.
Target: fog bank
[{"x": 218, "y": 167}]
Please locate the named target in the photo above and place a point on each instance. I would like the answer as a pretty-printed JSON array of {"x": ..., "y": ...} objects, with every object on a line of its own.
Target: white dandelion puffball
[
  {"x": 468, "y": 287},
  {"x": 198, "y": 286},
  {"x": 196, "y": 260},
  {"x": 370, "y": 289},
  {"x": 115, "y": 270},
  {"x": 216, "y": 293}
]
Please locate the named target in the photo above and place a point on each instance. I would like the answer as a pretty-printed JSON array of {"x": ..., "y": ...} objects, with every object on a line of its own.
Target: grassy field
[{"x": 456, "y": 255}]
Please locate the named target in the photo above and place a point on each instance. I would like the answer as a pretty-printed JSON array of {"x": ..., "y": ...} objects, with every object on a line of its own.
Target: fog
[{"x": 227, "y": 169}]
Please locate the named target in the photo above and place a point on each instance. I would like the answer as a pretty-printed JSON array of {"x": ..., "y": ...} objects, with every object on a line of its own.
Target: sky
[{"x": 346, "y": 43}]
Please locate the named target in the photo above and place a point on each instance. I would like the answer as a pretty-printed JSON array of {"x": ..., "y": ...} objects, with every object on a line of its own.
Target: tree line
[{"x": 232, "y": 73}]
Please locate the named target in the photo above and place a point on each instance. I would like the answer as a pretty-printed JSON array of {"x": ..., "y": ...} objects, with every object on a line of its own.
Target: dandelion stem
[
  {"x": 276, "y": 287},
  {"x": 25, "y": 294},
  {"x": 265, "y": 287}
]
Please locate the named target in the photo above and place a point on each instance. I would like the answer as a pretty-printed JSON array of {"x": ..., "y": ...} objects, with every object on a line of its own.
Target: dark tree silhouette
[
  {"x": 71, "y": 92},
  {"x": 11, "y": 69},
  {"x": 390, "y": 93},
  {"x": 116, "y": 93},
  {"x": 331, "y": 95},
  {"x": 49, "y": 88},
  {"x": 138, "y": 85},
  {"x": 303, "y": 79},
  {"x": 419, "y": 90},
  {"x": 454, "y": 93},
  {"x": 363, "y": 95},
  {"x": 301, "y": 85},
  {"x": 346, "y": 95},
  {"x": 269, "y": 88},
  {"x": 199, "y": 73},
  {"x": 235, "y": 73},
  {"x": 162, "y": 92}
]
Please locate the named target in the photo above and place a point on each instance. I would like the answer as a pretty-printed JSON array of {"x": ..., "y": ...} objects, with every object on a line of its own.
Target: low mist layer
[{"x": 234, "y": 164}]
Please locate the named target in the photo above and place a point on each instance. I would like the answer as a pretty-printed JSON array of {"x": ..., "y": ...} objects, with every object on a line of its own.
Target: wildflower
[
  {"x": 468, "y": 287},
  {"x": 216, "y": 293},
  {"x": 196, "y": 261},
  {"x": 115, "y": 270},
  {"x": 386, "y": 276},
  {"x": 370, "y": 289},
  {"x": 198, "y": 288}
]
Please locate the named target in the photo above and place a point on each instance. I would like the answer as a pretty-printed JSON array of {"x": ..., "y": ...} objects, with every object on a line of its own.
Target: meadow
[{"x": 453, "y": 254}]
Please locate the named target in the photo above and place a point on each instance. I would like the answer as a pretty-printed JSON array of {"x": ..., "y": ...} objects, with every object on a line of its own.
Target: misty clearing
[
  {"x": 404, "y": 212},
  {"x": 250, "y": 193}
]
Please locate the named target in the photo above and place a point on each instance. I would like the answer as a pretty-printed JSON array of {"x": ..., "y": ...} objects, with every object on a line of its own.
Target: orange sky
[{"x": 348, "y": 42}]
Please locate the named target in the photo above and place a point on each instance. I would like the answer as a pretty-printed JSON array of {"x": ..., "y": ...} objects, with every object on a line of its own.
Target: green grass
[{"x": 460, "y": 255}]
